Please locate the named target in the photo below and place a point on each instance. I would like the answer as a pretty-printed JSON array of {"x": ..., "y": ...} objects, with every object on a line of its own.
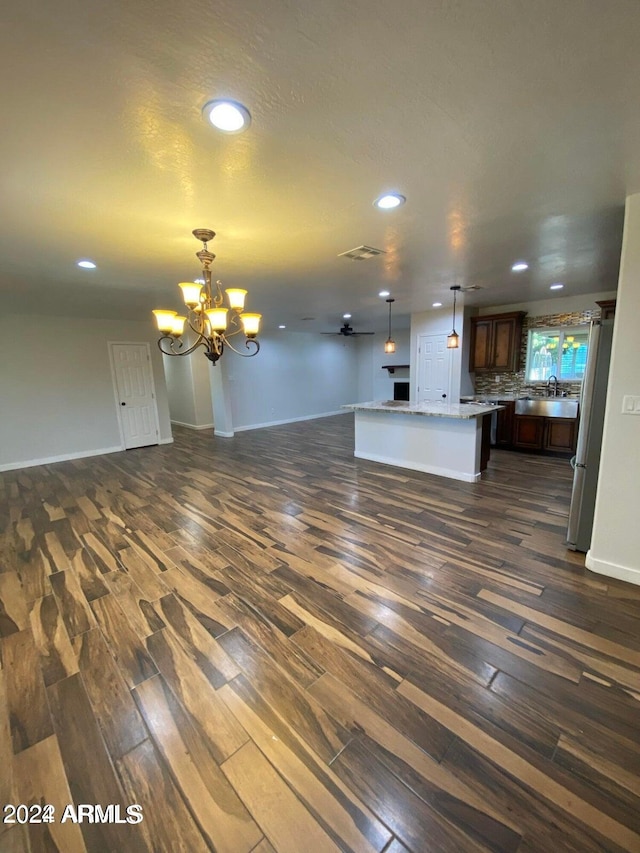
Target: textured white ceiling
[{"x": 512, "y": 126}]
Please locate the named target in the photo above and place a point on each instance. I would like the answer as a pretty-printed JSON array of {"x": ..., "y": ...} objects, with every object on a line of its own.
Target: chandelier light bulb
[
  {"x": 190, "y": 293},
  {"x": 251, "y": 324},
  {"x": 236, "y": 297},
  {"x": 217, "y": 318},
  {"x": 177, "y": 326},
  {"x": 164, "y": 319}
]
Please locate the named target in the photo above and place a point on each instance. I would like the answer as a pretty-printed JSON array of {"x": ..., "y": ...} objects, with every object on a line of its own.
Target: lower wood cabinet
[
  {"x": 504, "y": 423},
  {"x": 528, "y": 431},
  {"x": 558, "y": 435},
  {"x": 561, "y": 434}
]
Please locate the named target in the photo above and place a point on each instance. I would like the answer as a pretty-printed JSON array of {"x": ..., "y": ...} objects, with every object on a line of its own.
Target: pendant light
[
  {"x": 453, "y": 340},
  {"x": 389, "y": 344}
]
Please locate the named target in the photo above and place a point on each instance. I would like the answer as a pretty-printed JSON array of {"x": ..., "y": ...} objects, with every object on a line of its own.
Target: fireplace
[{"x": 400, "y": 390}]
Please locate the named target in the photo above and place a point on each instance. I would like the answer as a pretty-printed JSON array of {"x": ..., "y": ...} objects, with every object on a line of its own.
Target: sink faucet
[{"x": 555, "y": 385}]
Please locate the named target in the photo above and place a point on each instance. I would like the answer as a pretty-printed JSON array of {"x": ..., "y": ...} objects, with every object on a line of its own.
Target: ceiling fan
[{"x": 347, "y": 331}]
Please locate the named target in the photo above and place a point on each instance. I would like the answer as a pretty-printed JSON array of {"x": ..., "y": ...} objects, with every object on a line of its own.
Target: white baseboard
[
  {"x": 417, "y": 466},
  {"x": 192, "y": 426},
  {"x": 64, "y": 457},
  {"x": 613, "y": 570},
  {"x": 290, "y": 420}
]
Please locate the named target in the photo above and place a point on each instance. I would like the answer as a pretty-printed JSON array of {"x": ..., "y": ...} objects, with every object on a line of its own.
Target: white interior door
[
  {"x": 433, "y": 368},
  {"x": 135, "y": 393}
]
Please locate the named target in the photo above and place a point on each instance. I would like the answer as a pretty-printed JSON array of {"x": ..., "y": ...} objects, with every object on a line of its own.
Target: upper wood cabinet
[
  {"x": 496, "y": 341},
  {"x": 607, "y": 308}
]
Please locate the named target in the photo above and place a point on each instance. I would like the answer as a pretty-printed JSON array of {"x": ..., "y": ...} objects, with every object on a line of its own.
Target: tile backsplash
[{"x": 515, "y": 383}]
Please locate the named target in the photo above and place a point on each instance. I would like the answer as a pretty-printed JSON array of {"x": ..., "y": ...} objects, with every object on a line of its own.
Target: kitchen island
[{"x": 448, "y": 439}]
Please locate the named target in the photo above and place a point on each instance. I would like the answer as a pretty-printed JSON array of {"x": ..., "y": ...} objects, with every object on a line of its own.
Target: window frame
[{"x": 561, "y": 332}]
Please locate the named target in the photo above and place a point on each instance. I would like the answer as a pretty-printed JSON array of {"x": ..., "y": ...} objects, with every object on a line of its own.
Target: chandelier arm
[
  {"x": 172, "y": 341},
  {"x": 199, "y": 332},
  {"x": 216, "y": 296},
  {"x": 248, "y": 343}
]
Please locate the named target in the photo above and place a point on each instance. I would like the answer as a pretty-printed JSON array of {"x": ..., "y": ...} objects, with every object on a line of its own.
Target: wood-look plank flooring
[{"x": 272, "y": 646}]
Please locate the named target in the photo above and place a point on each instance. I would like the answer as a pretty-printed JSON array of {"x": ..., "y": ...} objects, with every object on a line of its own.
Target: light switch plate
[{"x": 630, "y": 405}]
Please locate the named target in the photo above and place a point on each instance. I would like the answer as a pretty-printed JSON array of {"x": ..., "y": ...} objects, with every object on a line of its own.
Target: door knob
[
  {"x": 123, "y": 404},
  {"x": 443, "y": 396}
]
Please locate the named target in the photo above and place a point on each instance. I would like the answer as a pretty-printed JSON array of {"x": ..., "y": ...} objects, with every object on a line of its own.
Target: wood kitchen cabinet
[
  {"x": 560, "y": 434},
  {"x": 607, "y": 308},
  {"x": 557, "y": 435},
  {"x": 528, "y": 432},
  {"x": 496, "y": 341},
  {"x": 504, "y": 423}
]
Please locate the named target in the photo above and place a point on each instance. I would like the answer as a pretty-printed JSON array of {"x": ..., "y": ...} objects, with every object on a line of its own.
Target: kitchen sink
[{"x": 548, "y": 407}]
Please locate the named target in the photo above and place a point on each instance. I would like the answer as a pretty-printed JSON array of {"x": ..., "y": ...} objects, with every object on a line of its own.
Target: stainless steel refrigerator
[{"x": 586, "y": 462}]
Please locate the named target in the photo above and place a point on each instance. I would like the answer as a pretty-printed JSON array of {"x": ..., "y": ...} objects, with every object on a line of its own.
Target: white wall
[
  {"x": 374, "y": 383},
  {"x": 615, "y": 544},
  {"x": 294, "y": 376},
  {"x": 180, "y": 389},
  {"x": 189, "y": 390},
  {"x": 56, "y": 390},
  {"x": 438, "y": 322}
]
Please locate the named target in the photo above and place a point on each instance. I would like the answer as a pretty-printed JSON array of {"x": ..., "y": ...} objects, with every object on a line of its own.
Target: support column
[{"x": 221, "y": 399}]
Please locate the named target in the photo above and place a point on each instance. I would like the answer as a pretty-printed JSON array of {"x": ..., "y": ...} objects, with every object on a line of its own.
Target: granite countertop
[
  {"x": 492, "y": 398},
  {"x": 462, "y": 411}
]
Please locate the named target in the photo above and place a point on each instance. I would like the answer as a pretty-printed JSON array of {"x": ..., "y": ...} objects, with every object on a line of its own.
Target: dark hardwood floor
[{"x": 270, "y": 645}]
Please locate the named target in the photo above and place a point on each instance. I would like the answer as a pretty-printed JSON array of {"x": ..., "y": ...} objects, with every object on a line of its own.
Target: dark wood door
[
  {"x": 504, "y": 344},
  {"x": 528, "y": 431},
  {"x": 561, "y": 434},
  {"x": 481, "y": 340}
]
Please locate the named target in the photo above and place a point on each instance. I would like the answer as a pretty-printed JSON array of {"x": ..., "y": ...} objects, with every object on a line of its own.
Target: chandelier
[{"x": 208, "y": 318}]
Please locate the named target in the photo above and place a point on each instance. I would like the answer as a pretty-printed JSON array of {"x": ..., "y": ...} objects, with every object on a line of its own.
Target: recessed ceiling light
[
  {"x": 227, "y": 116},
  {"x": 519, "y": 266},
  {"x": 557, "y": 286},
  {"x": 389, "y": 200},
  {"x": 87, "y": 265},
  {"x": 437, "y": 305},
  {"x": 282, "y": 327},
  {"x": 346, "y": 316},
  {"x": 383, "y": 293}
]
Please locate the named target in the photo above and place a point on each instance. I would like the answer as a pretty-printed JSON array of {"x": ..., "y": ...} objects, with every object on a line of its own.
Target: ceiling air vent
[{"x": 362, "y": 253}]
